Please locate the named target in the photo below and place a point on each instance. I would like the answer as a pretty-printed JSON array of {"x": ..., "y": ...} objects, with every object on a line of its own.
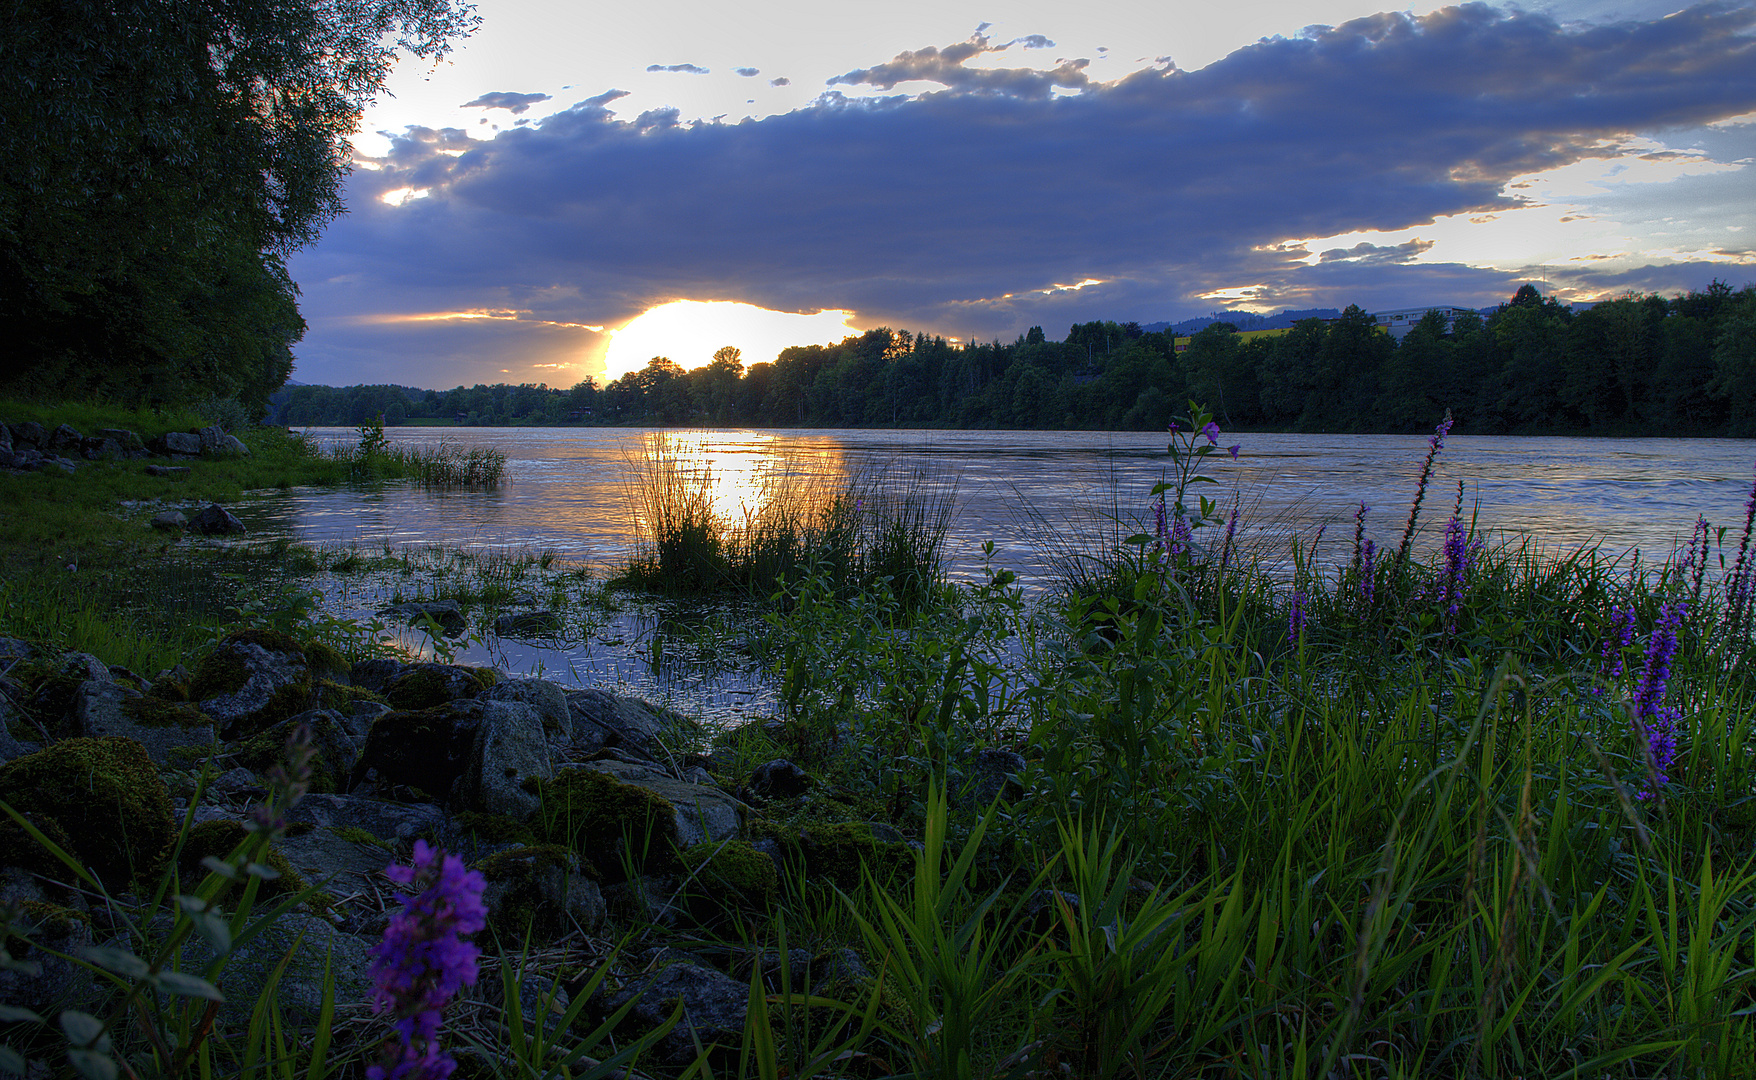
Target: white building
[{"x": 1402, "y": 320}]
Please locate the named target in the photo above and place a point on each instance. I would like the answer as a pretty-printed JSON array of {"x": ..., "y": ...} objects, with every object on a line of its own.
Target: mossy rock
[
  {"x": 251, "y": 680},
  {"x": 730, "y": 872},
  {"x": 333, "y": 749},
  {"x": 343, "y": 697},
  {"x": 418, "y": 755},
  {"x": 608, "y": 823},
  {"x": 106, "y": 798},
  {"x": 494, "y": 828},
  {"x": 528, "y": 890},
  {"x": 425, "y": 686},
  {"x": 153, "y": 711},
  {"x": 834, "y": 854},
  {"x": 218, "y": 839}
]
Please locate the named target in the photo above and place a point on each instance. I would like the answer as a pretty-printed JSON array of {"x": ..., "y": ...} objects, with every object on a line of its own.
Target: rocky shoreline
[
  {"x": 30, "y": 447},
  {"x": 573, "y": 802}
]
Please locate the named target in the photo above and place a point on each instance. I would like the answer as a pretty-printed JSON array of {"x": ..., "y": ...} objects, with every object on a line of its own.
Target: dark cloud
[
  {"x": 603, "y": 99},
  {"x": 960, "y": 211},
  {"x": 748, "y": 72},
  {"x": 782, "y": 81},
  {"x": 501, "y": 99},
  {"x": 687, "y": 69}
]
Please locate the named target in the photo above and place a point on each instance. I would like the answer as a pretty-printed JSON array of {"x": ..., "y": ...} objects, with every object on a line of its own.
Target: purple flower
[
  {"x": 1437, "y": 442},
  {"x": 423, "y": 959},
  {"x": 1655, "y": 724},
  {"x": 1172, "y": 427},
  {"x": 1233, "y": 450},
  {"x": 1212, "y": 432},
  {"x": 1296, "y": 620},
  {"x": 1619, "y": 636},
  {"x": 1225, "y": 551}
]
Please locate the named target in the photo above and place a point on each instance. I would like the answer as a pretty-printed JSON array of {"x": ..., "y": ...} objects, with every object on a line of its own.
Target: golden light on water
[
  {"x": 689, "y": 332},
  {"x": 744, "y": 479}
]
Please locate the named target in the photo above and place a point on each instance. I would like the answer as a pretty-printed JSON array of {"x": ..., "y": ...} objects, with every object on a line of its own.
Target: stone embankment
[
  {"x": 29, "y": 447},
  {"x": 576, "y": 804}
]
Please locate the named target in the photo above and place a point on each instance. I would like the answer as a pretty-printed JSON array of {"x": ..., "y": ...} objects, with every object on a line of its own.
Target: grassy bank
[{"x": 1490, "y": 814}]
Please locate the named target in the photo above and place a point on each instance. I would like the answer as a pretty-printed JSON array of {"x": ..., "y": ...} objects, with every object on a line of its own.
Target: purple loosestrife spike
[
  {"x": 1367, "y": 550},
  {"x": 1619, "y": 636},
  {"x": 425, "y": 958},
  {"x": 1212, "y": 433},
  {"x": 1738, "y": 591},
  {"x": 1434, "y": 444},
  {"x": 1296, "y": 620},
  {"x": 1655, "y": 724}
]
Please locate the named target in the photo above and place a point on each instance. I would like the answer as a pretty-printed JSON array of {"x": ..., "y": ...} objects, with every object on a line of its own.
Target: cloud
[
  {"x": 782, "y": 81},
  {"x": 688, "y": 69},
  {"x": 954, "y": 210},
  {"x": 501, "y": 99},
  {"x": 748, "y": 72}
]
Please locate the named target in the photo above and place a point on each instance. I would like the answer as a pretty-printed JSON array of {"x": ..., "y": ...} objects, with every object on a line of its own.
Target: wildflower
[
  {"x": 1172, "y": 427},
  {"x": 1434, "y": 444},
  {"x": 1655, "y": 724},
  {"x": 1233, "y": 450},
  {"x": 424, "y": 958},
  {"x": 1619, "y": 637},
  {"x": 1296, "y": 620},
  {"x": 1212, "y": 433},
  {"x": 1458, "y": 560}
]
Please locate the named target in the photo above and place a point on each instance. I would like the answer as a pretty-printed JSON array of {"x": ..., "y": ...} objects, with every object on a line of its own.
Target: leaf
[
  {"x": 11, "y": 1061},
  {"x": 266, "y": 873},
  {"x": 120, "y": 961},
  {"x": 220, "y": 866},
  {"x": 12, "y": 1014},
  {"x": 93, "y": 1065},
  {"x": 81, "y": 1028},
  {"x": 186, "y": 985}
]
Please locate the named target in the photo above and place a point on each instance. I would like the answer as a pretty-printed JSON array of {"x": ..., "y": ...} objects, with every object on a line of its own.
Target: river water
[{"x": 1034, "y": 494}]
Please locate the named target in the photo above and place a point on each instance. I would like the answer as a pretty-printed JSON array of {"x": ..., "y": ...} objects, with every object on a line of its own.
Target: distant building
[{"x": 1402, "y": 320}]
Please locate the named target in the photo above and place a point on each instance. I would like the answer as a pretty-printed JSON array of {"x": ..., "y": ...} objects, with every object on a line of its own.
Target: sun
[{"x": 689, "y": 332}]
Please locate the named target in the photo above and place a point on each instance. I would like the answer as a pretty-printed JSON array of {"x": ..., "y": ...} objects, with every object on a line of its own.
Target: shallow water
[{"x": 565, "y": 491}]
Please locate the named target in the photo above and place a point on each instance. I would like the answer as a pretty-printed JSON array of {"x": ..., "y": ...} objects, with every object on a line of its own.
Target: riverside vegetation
[{"x": 1481, "y": 813}]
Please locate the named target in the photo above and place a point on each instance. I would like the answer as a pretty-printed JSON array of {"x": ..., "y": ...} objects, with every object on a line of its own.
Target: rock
[
  {"x": 547, "y": 698},
  {"x": 342, "y": 860},
  {"x": 334, "y": 748},
  {"x": 65, "y": 438},
  {"x": 177, "y": 444},
  {"x": 991, "y": 773},
  {"x": 528, "y": 624},
  {"x": 446, "y": 613},
  {"x": 699, "y": 812},
  {"x": 28, "y": 436},
  {"x": 359, "y": 720},
  {"x": 5, "y": 439},
  {"x": 215, "y": 440},
  {"x": 127, "y": 442},
  {"x": 714, "y": 1006},
  {"x": 101, "y": 799},
  {"x": 422, "y": 686},
  {"x": 174, "y": 472},
  {"x": 601, "y": 718},
  {"x": 169, "y": 520},
  {"x": 107, "y": 708},
  {"x": 389, "y": 821},
  {"x": 252, "y": 679},
  {"x": 375, "y": 674},
  {"x": 215, "y": 520},
  {"x": 58, "y": 983},
  {"x": 313, "y": 945},
  {"x": 238, "y": 783},
  {"x": 470, "y": 755},
  {"x": 510, "y": 757},
  {"x": 778, "y": 779},
  {"x": 540, "y": 888},
  {"x": 94, "y": 449}
]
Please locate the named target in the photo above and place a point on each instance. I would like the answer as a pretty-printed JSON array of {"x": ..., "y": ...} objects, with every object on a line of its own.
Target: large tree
[{"x": 159, "y": 159}]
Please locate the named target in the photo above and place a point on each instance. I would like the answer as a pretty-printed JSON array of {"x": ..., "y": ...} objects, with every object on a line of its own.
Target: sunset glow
[{"x": 689, "y": 332}]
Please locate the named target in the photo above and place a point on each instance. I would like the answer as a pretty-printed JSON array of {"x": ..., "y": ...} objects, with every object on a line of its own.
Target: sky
[{"x": 577, "y": 189}]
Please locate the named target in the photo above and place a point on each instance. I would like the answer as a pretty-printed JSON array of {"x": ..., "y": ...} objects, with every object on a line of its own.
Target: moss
[
  {"x": 168, "y": 687},
  {"x": 325, "y": 661},
  {"x": 835, "y": 853},
  {"x": 354, "y": 835},
  {"x": 731, "y": 871},
  {"x": 427, "y": 686},
  {"x": 107, "y": 799},
  {"x": 153, "y": 711},
  {"x": 342, "y": 697},
  {"x": 608, "y": 822},
  {"x": 523, "y": 906},
  {"x": 218, "y": 839},
  {"x": 272, "y": 640},
  {"x": 219, "y": 672},
  {"x": 494, "y": 828},
  {"x": 268, "y": 747},
  {"x": 53, "y": 920}
]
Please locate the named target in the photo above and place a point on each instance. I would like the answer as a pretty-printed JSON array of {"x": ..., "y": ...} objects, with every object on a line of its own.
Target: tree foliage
[{"x": 159, "y": 159}]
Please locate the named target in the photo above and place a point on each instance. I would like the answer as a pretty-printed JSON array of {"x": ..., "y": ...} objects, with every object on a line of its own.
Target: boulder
[
  {"x": 528, "y": 624},
  {"x": 57, "y": 935},
  {"x": 65, "y": 439},
  {"x": 547, "y": 698},
  {"x": 334, "y": 748},
  {"x": 699, "y": 812},
  {"x": 169, "y": 520},
  {"x": 422, "y": 686},
  {"x": 446, "y": 613},
  {"x": 215, "y": 440},
  {"x": 391, "y": 821},
  {"x": 375, "y": 674},
  {"x": 313, "y": 944},
  {"x": 100, "y": 799},
  {"x": 541, "y": 887},
  {"x": 777, "y": 779},
  {"x": 991, "y": 773},
  {"x": 28, "y": 436},
  {"x": 5, "y": 439},
  {"x": 127, "y": 442},
  {"x": 601, "y": 719},
  {"x": 162, "y": 727},
  {"x": 252, "y": 679},
  {"x": 215, "y": 520},
  {"x": 177, "y": 444},
  {"x": 470, "y": 755},
  {"x": 714, "y": 1007}
]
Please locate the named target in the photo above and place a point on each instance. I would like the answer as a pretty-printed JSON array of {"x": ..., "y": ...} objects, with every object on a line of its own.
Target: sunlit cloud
[
  {"x": 497, "y": 314},
  {"x": 403, "y": 195},
  {"x": 689, "y": 332}
]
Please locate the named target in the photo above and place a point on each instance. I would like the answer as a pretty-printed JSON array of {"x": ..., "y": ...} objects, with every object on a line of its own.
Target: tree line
[{"x": 1683, "y": 365}]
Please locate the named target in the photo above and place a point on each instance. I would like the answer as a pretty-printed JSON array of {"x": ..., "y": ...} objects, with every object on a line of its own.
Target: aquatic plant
[{"x": 1435, "y": 443}]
